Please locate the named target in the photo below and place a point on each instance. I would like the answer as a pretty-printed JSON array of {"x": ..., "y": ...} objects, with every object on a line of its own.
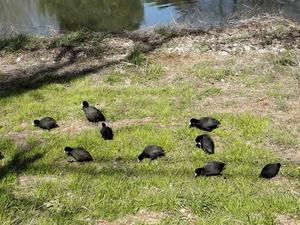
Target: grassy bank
[{"x": 248, "y": 80}]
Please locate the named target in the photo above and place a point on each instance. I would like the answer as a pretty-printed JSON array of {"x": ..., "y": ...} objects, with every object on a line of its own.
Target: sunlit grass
[{"x": 115, "y": 184}]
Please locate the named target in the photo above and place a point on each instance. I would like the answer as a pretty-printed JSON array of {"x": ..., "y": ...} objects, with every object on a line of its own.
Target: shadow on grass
[
  {"x": 19, "y": 163},
  {"x": 22, "y": 80},
  {"x": 105, "y": 168},
  {"x": 37, "y": 76}
]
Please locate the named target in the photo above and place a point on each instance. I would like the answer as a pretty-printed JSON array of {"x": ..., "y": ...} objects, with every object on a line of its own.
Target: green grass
[
  {"x": 206, "y": 70},
  {"x": 115, "y": 184},
  {"x": 166, "y": 32},
  {"x": 15, "y": 43},
  {"x": 71, "y": 38},
  {"x": 137, "y": 57},
  {"x": 287, "y": 58}
]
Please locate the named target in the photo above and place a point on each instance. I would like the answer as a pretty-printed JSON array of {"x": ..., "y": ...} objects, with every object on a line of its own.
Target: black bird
[
  {"x": 106, "y": 132},
  {"x": 205, "y": 123},
  {"x": 79, "y": 154},
  {"x": 47, "y": 123},
  {"x": 270, "y": 170},
  {"x": 206, "y": 143},
  {"x": 213, "y": 168},
  {"x": 152, "y": 152},
  {"x": 92, "y": 113}
]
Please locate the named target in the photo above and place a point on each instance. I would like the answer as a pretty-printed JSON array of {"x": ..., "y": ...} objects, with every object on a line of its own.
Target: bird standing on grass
[
  {"x": 213, "y": 168},
  {"x": 270, "y": 170},
  {"x": 78, "y": 154},
  {"x": 206, "y": 143},
  {"x": 205, "y": 123},
  {"x": 151, "y": 152},
  {"x": 46, "y": 123},
  {"x": 106, "y": 132},
  {"x": 92, "y": 113}
]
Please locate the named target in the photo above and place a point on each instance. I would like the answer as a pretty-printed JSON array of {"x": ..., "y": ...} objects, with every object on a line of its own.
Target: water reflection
[
  {"x": 24, "y": 16},
  {"x": 104, "y": 15},
  {"x": 219, "y": 12},
  {"x": 38, "y": 16}
]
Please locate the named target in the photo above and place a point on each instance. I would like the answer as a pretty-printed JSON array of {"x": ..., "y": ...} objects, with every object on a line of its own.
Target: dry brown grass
[
  {"x": 287, "y": 220},
  {"x": 142, "y": 217}
]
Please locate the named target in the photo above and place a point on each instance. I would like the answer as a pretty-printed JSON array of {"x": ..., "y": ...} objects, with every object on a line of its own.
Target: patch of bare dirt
[
  {"x": 142, "y": 217},
  {"x": 19, "y": 138},
  {"x": 188, "y": 216},
  {"x": 131, "y": 122},
  {"x": 288, "y": 182},
  {"x": 79, "y": 126},
  {"x": 289, "y": 153},
  {"x": 287, "y": 220},
  {"x": 29, "y": 181},
  {"x": 27, "y": 184},
  {"x": 75, "y": 126}
]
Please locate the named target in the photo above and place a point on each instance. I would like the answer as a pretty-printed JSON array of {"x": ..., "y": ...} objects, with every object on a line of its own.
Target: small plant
[
  {"x": 15, "y": 43},
  {"x": 72, "y": 38},
  {"x": 137, "y": 57},
  {"x": 154, "y": 71},
  {"x": 114, "y": 78},
  {"x": 285, "y": 62},
  {"x": 207, "y": 70},
  {"x": 286, "y": 59},
  {"x": 165, "y": 32},
  {"x": 209, "y": 92}
]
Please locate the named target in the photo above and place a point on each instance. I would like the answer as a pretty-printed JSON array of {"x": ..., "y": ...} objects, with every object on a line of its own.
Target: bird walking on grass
[
  {"x": 93, "y": 114},
  {"x": 46, "y": 123}
]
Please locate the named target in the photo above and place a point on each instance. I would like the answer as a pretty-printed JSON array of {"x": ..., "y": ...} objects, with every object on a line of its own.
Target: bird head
[
  {"x": 68, "y": 149},
  {"x": 199, "y": 172},
  {"x": 36, "y": 122},
  {"x": 141, "y": 157},
  {"x": 193, "y": 121},
  {"x": 85, "y": 104}
]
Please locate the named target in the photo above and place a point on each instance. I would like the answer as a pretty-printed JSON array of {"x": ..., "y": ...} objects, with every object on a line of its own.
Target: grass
[
  {"x": 15, "y": 43},
  {"x": 165, "y": 32},
  {"x": 137, "y": 57},
  {"x": 39, "y": 186},
  {"x": 71, "y": 38},
  {"x": 206, "y": 70},
  {"x": 287, "y": 58}
]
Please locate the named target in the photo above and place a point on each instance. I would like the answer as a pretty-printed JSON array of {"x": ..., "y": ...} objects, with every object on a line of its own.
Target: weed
[
  {"x": 286, "y": 59},
  {"x": 137, "y": 57},
  {"x": 71, "y": 39},
  {"x": 206, "y": 70},
  {"x": 166, "y": 32},
  {"x": 15, "y": 43}
]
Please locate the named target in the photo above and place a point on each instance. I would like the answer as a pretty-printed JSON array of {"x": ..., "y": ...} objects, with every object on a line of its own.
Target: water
[{"x": 49, "y": 16}]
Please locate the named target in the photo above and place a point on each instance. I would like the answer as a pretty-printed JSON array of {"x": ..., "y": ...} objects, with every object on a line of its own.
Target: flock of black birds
[{"x": 205, "y": 142}]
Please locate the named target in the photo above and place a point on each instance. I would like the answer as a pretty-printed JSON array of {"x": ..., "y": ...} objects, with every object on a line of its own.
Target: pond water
[{"x": 49, "y": 16}]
